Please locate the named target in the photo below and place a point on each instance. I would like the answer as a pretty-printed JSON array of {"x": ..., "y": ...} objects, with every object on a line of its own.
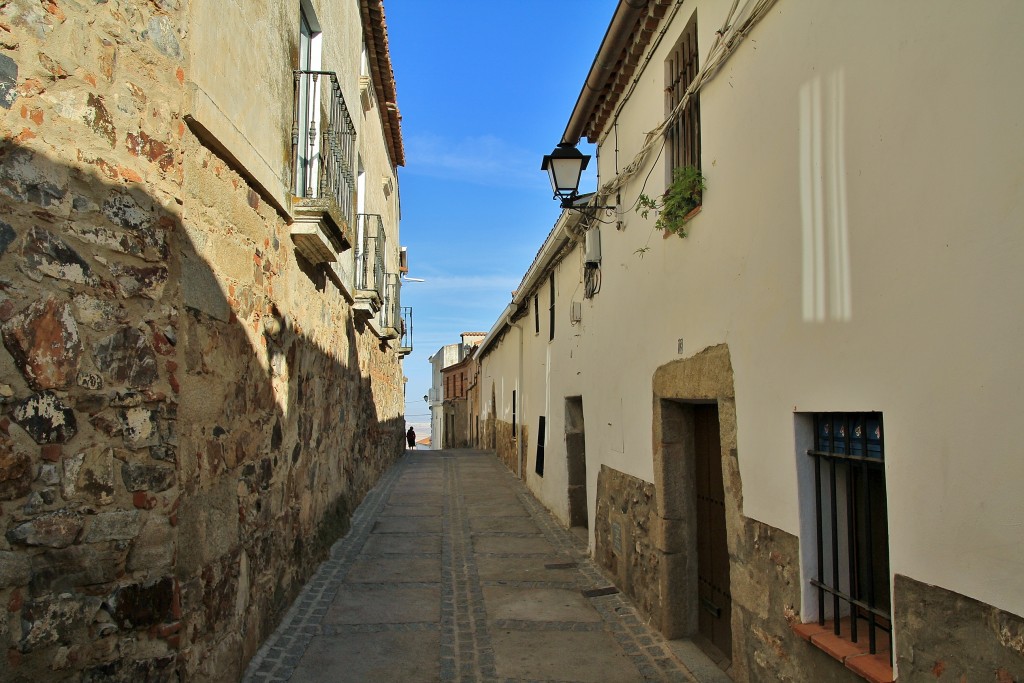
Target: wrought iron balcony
[
  {"x": 405, "y": 346},
  {"x": 391, "y": 310},
  {"x": 370, "y": 250},
  {"x": 323, "y": 158}
]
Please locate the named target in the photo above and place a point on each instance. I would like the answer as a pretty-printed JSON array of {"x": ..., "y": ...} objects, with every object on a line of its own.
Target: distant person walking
[{"x": 410, "y": 436}]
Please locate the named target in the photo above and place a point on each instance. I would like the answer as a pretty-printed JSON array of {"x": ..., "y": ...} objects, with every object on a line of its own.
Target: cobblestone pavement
[{"x": 452, "y": 571}]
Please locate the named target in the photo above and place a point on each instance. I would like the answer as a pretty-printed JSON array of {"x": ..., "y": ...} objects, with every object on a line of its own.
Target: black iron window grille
[
  {"x": 370, "y": 245},
  {"x": 852, "y": 579},
  {"x": 323, "y": 141},
  {"x": 683, "y": 136}
]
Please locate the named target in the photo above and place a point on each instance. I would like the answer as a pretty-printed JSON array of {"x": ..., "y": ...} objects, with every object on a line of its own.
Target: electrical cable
[{"x": 727, "y": 39}]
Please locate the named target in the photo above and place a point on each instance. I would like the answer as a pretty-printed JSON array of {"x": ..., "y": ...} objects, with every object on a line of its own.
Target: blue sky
[{"x": 485, "y": 90}]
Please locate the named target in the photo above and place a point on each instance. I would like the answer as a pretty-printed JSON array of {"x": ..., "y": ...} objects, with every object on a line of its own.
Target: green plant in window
[{"x": 675, "y": 207}]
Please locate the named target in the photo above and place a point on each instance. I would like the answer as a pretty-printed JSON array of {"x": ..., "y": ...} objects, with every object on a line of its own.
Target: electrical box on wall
[{"x": 592, "y": 246}]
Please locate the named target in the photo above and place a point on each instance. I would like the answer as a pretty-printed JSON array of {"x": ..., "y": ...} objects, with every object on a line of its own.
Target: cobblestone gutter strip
[
  {"x": 647, "y": 648},
  {"x": 466, "y": 652},
  {"x": 280, "y": 654}
]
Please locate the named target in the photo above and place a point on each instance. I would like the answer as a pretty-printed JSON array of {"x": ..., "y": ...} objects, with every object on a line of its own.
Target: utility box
[{"x": 592, "y": 246}]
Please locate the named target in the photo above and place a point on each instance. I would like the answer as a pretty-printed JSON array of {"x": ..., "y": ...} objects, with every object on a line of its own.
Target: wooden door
[{"x": 713, "y": 594}]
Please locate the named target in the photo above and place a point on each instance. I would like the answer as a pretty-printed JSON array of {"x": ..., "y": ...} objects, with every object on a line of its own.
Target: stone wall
[
  {"x": 170, "y": 472},
  {"x": 945, "y": 636},
  {"x": 623, "y": 544},
  {"x": 505, "y": 444}
]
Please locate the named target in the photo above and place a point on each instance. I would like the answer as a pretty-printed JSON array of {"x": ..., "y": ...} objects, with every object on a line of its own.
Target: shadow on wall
[{"x": 176, "y": 454}]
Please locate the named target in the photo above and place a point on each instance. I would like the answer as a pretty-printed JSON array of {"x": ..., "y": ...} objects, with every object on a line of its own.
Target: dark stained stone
[
  {"x": 7, "y": 234},
  {"x": 145, "y": 477},
  {"x": 163, "y": 452},
  {"x": 45, "y": 418},
  {"x": 95, "y": 475},
  {"x": 45, "y": 344},
  {"x": 64, "y": 569},
  {"x": 22, "y": 178},
  {"x": 139, "y": 427},
  {"x": 52, "y": 619},
  {"x": 53, "y": 530},
  {"x": 127, "y": 357},
  {"x": 8, "y": 81},
  {"x": 140, "y": 605},
  {"x": 51, "y": 256},
  {"x": 147, "y": 281},
  {"x": 15, "y": 472},
  {"x": 124, "y": 210},
  {"x": 14, "y": 569},
  {"x": 98, "y": 118},
  {"x": 156, "y": 670}
]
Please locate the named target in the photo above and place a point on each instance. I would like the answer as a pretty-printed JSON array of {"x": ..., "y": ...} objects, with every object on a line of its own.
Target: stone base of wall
[
  {"x": 945, "y": 636},
  {"x": 765, "y": 577},
  {"x": 623, "y": 546},
  {"x": 505, "y": 444}
]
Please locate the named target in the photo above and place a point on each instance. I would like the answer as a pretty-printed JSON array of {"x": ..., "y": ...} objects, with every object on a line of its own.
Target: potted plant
[{"x": 680, "y": 202}]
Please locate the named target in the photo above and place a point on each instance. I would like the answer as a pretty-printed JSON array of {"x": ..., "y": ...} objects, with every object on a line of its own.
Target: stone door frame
[{"x": 704, "y": 378}]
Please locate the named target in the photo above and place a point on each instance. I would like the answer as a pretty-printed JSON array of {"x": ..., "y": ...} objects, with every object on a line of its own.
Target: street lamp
[{"x": 565, "y": 165}]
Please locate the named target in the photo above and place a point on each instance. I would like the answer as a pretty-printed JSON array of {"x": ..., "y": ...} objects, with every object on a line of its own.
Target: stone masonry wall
[
  {"x": 505, "y": 443},
  {"x": 170, "y": 473},
  {"x": 974, "y": 642},
  {"x": 623, "y": 544}
]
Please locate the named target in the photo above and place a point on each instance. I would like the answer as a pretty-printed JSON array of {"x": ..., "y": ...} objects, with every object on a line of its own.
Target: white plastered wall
[{"x": 859, "y": 249}]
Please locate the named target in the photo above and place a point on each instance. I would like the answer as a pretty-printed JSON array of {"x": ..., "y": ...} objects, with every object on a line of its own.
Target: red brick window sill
[{"x": 855, "y": 656}]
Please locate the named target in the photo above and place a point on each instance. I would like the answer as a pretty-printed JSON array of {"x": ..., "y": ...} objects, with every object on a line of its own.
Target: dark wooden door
[{"x": 714, "y": 597}]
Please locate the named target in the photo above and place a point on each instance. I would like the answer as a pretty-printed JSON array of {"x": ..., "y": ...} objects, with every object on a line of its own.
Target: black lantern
[{"x": 564, "y": 166}]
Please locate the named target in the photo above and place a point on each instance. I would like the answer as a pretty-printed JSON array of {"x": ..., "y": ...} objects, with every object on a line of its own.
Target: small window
[
  {"x": 514, "y": 431},
  {"x": 536, "y": 315},
  {"x": 539, "y": 466},
  {"x": 683, "y": 136},
  {"x": 551, "y": 310},
  {"x": 852, "y": 531}
]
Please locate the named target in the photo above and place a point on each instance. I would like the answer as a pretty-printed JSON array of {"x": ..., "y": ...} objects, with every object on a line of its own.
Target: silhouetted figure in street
[{"x": 410, "y": 436}]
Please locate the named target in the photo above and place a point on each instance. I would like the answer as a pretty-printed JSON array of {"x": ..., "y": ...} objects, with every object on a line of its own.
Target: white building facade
[{"x": 802, "y": 410}]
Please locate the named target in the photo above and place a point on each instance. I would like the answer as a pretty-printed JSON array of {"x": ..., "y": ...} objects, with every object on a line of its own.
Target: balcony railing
[
  {"x": 323, "y": 141},
  {"x": 405, "y": 347},
  {"x": 391, "y": 311},
  {"x": 370, "y": 244}
]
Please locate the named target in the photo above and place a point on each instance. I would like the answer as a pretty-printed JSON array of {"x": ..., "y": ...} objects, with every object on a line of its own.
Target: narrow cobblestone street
[{"x": 452, "y": 571}]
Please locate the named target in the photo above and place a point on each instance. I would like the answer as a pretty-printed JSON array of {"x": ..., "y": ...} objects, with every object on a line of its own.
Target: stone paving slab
[
  {"x": 394, "y": 568},
  {"x": 396, "y": 544},
  {"x": 408, "y": 525},
  {"x": 538, "y": 604},
  {"x": 534, "y": 545},
  {"x": 544, "y": 655},
  {"x": 363, "y": 657},
  {"x": 412, "y": 511},
  {"x": 490, "y": 568},
  {"x": 442, "y": 577},
  {"x": 515, "y": 525},
  {"x": 387, "y": 604}
]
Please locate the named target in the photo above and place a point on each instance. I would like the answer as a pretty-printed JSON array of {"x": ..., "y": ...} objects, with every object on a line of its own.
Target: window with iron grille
[
  {"x": 682, "y": 137},
  {"x": 852, "y": 532},
  {"x": 323, "y": 133}
]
